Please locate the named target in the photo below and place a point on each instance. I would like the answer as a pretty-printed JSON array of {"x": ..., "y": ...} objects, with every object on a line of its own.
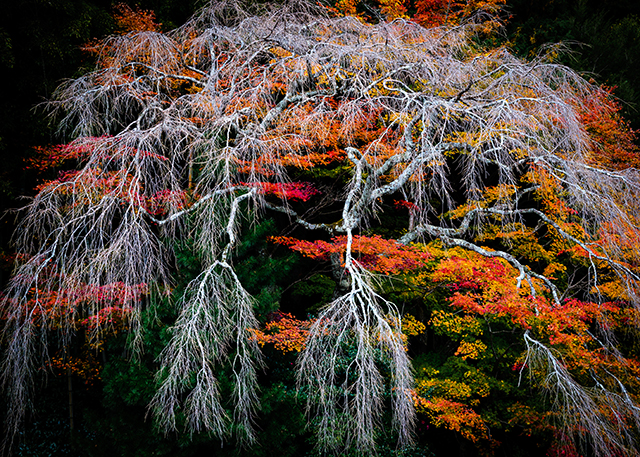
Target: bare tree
[{"x": 236, "y": 98}]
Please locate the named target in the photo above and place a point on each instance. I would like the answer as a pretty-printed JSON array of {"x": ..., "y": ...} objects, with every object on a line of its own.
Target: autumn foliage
[
  {"x": 374, "y": 253},
  {"x": 454, "y": 230},
  {"x": 430, "y": 13},
  {"x": 129, "y": 19},
  {"x": 284, "y": 332}
]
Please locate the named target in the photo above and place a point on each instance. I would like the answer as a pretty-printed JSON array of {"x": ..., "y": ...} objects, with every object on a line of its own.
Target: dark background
[{"x": 40, "y": 45}]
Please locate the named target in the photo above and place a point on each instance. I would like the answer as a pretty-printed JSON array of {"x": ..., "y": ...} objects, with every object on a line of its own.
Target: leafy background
[{"x": 40, "y": 44}]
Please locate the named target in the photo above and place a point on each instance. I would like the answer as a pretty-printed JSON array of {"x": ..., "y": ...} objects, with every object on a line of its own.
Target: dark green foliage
[
  {"x": 39, "y": 45},
  {"x": 46, "y": 434},
  {"x": 263, "y": 274},
  {"x": 282, "y": 423},
  {"x": 313, "y": 293}
]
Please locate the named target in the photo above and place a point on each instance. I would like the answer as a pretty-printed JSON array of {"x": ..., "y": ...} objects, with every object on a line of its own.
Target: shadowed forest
[{"x": 299, "y": 228}]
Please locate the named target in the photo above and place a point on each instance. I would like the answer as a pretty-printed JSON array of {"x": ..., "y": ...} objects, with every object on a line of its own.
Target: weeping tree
[{"x": 196, "y": 133}]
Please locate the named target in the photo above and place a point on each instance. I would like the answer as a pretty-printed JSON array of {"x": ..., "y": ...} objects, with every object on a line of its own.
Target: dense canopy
[{"x": 512, "y": 204}]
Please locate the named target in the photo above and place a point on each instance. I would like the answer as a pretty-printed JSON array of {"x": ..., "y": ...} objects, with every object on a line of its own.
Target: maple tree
[
  {"x": 510, "y": 181},
  {"x": 134, "y": 20},
  {"x": 429, "y": 13}
]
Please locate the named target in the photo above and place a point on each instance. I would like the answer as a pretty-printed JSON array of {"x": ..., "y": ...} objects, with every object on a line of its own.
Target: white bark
[{"x": 240, "y": 98}]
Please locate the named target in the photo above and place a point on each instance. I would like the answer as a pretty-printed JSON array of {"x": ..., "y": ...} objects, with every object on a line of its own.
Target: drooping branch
[
  {"x": 585, "y": 409},
  {"x": 214, "y": 325},
  {"x": 340, "y": 368},
  {"x": 191, "y": 125}
]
